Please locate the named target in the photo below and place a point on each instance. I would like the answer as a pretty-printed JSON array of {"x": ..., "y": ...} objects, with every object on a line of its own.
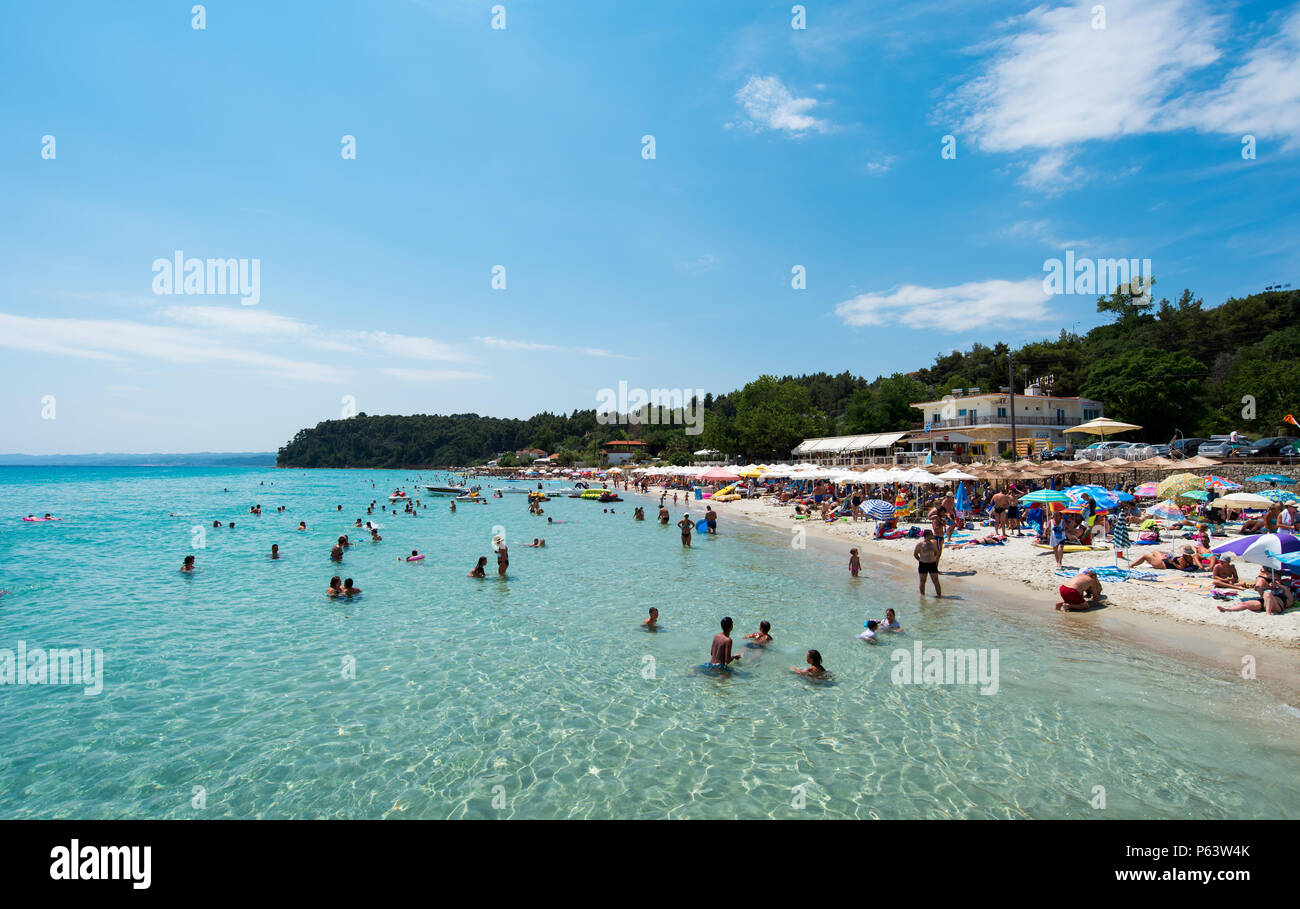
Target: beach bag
[{"x": 1148, "y": 537}]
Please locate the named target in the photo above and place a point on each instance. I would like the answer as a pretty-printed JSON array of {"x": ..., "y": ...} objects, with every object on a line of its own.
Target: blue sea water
[{"x": 226, "y": 693}]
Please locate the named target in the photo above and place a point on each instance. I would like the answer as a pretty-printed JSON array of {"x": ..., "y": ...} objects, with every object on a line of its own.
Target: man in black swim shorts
[{"x": 926, "y": 554}]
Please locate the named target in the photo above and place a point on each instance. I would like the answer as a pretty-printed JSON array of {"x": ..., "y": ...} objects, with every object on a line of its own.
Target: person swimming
[
  {"x": 480, "y": 570},
  {"x": 652, "y": 622},
  {"x": 188, "y": 564},
  {"x": 275, "y": 551},
  {"x": 815, "y": 668},
  {"x": 870, "y": 634},
  {"x": 335, "y": 589},
  {"x": 891, "y": 621},
  {"x": 349, "y": 590},
  {"x": 302, "y": 525},
  {"x": 762, "y": 636}
]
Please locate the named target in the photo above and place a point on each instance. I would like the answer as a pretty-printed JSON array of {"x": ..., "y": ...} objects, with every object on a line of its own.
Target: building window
[{"x": 1002, "y": 411}]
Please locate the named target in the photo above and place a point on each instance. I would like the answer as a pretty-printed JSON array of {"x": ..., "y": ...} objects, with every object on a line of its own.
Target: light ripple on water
[{"x": 232, "y": 680}]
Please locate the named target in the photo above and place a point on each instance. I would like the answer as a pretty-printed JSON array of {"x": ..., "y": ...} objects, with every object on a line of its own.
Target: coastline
[{"x": 1163, "y": 619}]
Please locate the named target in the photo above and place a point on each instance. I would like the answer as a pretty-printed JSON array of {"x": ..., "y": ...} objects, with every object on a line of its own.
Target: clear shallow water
[{"x": 233, "y": 679}]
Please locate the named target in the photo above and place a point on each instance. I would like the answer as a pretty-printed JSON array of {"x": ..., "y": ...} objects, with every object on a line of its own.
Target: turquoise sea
[{"x": 539, "y": 696}]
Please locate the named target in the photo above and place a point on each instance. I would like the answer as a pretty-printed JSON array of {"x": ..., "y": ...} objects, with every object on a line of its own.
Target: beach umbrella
[
  {"x": 880, "y": 510},
  {"x": 1165, "y": 511},
  {"x": 955, "y": 475},
  {"x": 751, "y": 472},
  {"x": 720, "y": 473},
  {"x": 1146, "y": 491},
  {"x": 1240, "y": 500},
  {"x": 1261, "y": 548},
  {"x": 1045, "y": 495},
  {"x": 1176, "y": 484},
  {"x": 960, "y": 501},
  {"x": 1104, "y": 498},
  {"x": 1101, "y": 426},
  {"x": 1200, "y": 461},
  {"x": 1196, "y": 495},
  {"x": 1119, "y": 539},
  {"x": 1280, "y": 495},
  {"x": 1219, "y": 483},
  {"x": 1273, "y": 478}
]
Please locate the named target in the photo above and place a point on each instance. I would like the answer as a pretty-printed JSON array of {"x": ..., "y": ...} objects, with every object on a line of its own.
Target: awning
[{"x": 839, "y": 444}]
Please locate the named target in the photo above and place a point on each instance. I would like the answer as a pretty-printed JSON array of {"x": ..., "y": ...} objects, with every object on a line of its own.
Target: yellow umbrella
[
  {"x": 1101, "y": 426},
  {"x": 1178, "y": 484}
]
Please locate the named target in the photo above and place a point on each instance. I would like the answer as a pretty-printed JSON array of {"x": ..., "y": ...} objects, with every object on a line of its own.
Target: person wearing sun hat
[{"x": 1225, "y": 574}]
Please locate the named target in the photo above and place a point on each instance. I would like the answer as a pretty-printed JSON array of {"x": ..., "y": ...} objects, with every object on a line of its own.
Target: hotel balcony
[{"x": 988, "y": 420}]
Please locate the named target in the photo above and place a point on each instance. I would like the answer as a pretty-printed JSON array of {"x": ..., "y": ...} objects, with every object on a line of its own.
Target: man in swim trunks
[
  {"x": 926, "y": 554},
  {"x": 1225, "y": 574},
  {"x": 663, "y": 514},
  {"x": 686, "y": 525},
  {"x": 711, "y": 517},
  {"x": 1000, "y": 503},
  {"x": 652, "y": 621},
  {"x": 1076, "y": 591},
  {"x": 720, "y": 653}
]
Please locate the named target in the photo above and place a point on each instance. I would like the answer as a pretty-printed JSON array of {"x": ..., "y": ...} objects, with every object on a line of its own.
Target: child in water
[
  {"x": 480, "y": 570},
  {"x": 762, "y": 636},
  {"x": 855, "y": 564},
  {"x": 870, "y": 634},
  {"x": 815, "y": 668},
  {"x": 651, "y": 623},
  {"x": 188, "y": 565}
]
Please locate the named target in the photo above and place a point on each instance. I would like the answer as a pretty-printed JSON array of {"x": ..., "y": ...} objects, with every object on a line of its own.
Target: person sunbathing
[
  {"x": 1271, "y": 596},
  {"x": 1185, "y": 560},
  {"x": 991, "y": 539}
]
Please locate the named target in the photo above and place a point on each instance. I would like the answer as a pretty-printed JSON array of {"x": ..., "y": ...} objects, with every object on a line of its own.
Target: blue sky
[{"x": 522, "y": 147}]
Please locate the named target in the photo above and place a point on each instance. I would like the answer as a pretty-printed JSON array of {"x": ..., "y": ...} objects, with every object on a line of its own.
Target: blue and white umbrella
[
  {"x": 878, "y": 509},
  {"x": 1105, "y": 499},
  {"x": 1280, "y": 495}
]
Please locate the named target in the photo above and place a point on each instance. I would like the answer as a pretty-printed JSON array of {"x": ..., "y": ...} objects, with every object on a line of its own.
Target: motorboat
[{"x": 448, "y": 490}]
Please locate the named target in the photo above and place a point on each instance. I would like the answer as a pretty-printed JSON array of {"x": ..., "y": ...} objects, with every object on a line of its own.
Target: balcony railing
[{"x": 989, "y": 420}]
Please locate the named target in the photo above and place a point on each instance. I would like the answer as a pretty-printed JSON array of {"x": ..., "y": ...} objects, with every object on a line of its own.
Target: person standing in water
[
  {"x": 815, "y": 668},
  {"x": 187, "y": 565},
  {"x": 926, "y": 554},
  {"x": 686, "y": 525},
  {"x": 503, "y": 559},
  {"x": 855, "y": 563},
  {"x": 711, "y": 517},
  {"x": 652, "y": 621},
  {"x": 720, "y": 653},
  {"x": 275, "y": 551}
]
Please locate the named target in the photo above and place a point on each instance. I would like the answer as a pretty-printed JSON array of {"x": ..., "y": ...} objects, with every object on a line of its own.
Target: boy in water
[
  {"x": 870, "y": 634},
  {"x": 188, "y": 564},
  {"x": 275, "y": 551},
  {"x": 349, "y": 590},
  {"x": 720, "y": 653},
  {"x": 653, "y": 621},
  {"x": 763, "y": 635}
]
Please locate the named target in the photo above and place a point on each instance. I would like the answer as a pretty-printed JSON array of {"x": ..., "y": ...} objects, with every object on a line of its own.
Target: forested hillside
[{"x": 1166, "y": 366}]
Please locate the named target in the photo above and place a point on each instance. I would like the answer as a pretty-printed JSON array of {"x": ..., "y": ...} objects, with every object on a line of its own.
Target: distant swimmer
[
  {"x": 337, "y": 553},
  {"x": 336, "y": 587},
  {"x": 188, "y": 565},
  {"x": 638, "y": 514},
  {"x": 302, "y": 525},
  {"x": 349, "y": 590},
  {"x": 415, "y": 556},
  {"x": 275, "y": 551},
  {"x": 480, "y": 570},
  {"x": 686, "y": 526},
  {"x": 453, "y": 506},
  {"x": 815, "y": 668},
  {"x": 663, "y": 514},
  {"x": 652, "y": 622},
  {"x": 720, "y": 653},
  {"x": 216, "y": 523},
  {"x": 374, "y": 536},
  {"x": 763, "y": 635}
]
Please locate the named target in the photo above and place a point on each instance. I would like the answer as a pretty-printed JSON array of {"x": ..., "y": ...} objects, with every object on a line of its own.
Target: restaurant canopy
[{"x": 847, "y": 444}]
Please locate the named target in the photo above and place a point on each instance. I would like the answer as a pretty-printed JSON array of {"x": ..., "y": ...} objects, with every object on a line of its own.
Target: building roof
[
  {"x": 623, "y": 442},
  {"x": 847, "y": 443},
  {"x": 1004, "y": 394}
]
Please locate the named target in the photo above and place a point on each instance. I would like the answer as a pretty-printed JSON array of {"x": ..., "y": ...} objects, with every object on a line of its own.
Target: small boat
[
  {"x": 470, "y": 497},
  {"x": 447, "y": 490},
  {"x": 518, "y": 489},
  {"x": 398, "y": 497}
]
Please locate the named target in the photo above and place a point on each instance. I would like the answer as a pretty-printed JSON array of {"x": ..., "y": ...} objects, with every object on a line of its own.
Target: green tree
[{"x": 1159, "y": 390}]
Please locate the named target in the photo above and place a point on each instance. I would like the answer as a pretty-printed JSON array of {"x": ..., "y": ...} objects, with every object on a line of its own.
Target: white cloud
[
  {"x": 413, "y": 346},
  {"x": 1055, "y": 82},
  {"x": 599, "y": 352},
  {"x": 951, "y": 309},
  {"x": 431, "y": 375},
  {"x": 507, "y": 344},
  {"x": 120, "y": 341},
  {"x": 769, "y": 105},
  {"x": 881, "y": 167}
]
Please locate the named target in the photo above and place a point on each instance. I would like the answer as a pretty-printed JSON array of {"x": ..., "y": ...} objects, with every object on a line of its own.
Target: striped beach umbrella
[
  {"x": 1270, "y": 478},
  {"x": 1280, "y": 495},
  {"x": 878, "y": 509},
  {"x": 1045, "y": 495},
  {"x": 1219, "y": 483},
  {"x": 1146, "y": 490},
  {"x": 1171, "y": 487},
  {"x": 1119, "y": 537},
  {"x": 1165, "y": 511}
]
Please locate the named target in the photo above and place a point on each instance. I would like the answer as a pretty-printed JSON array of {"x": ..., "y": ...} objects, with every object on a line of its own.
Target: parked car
[
  {"x": 1270, "y": 446},
  {"x": 1055, "y": 454},
  {"x": 1186, "y": 448},
  {"x": 1292, "y": 450},
  {"x": 1159, "y": 451},
  {"x": 1091, "y": 453},
  {"x": 1224, "y": 448}
]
